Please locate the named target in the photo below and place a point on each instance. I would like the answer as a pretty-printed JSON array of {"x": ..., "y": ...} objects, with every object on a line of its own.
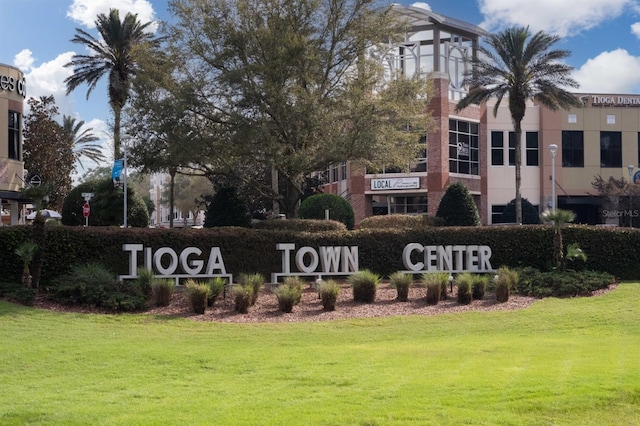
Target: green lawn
[{"x": 558, "y": 362}]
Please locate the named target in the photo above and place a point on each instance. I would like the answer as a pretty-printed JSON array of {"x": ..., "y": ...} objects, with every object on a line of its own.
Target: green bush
[
  {"x": 300, "y": 225},
  {"x": 365, "y": 285},
  {"x": 457, "y": 207},
  {"x": 562, "y": 284},
  {"x": 254, "y": 282},
  {"x": 401, "y": 282},
  {"x": 289, "y": 293},
  {"x": 93, "y": 285},
  {"x": 227, "y": 209},
  {"x": 399, "y": 221},
  {"x": 162, "y": 290},
  {"x": 530, "y": 213},
  {"x": 464, "y": 282},
  {"x": 329, "y": 291},
  {"x": 197, "y": 293},
  {"x": 339, "y": 209},
  {"x": 216, "y": 286},
  {"x": 479, "y": 286}
]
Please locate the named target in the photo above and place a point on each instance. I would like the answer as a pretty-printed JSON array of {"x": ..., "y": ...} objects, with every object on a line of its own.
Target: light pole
[
  {"x": 630, "y": 167},
  {"x": 552, "y": 149}
]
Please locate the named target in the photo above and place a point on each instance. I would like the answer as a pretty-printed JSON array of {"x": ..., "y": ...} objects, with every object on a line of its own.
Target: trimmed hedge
[{"x": 612, "y": 250}]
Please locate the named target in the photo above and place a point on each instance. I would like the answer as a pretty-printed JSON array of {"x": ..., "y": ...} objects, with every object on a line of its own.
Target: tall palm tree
[
  {"x": 114, "y": 54},
  {"x": 82, "y": 142},
  {"x": 520, "y": 66}
]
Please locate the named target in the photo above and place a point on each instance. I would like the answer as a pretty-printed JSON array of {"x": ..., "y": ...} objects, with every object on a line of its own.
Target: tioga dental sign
[{"x": 13, "y": 84}]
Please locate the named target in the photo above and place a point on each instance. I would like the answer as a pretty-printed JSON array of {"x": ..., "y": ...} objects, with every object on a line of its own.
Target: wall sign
[
  {"x": 11, "y": 84},
  {"x": 395, "y": 184}
]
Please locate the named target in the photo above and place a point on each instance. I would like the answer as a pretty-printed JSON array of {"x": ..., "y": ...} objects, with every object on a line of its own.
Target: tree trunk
[
  {"x": 518, "y": 167},
  {"x": 39, "y": 239},
  {"x": 172, "y": 185},
  {"x": 117, "y": 112}
]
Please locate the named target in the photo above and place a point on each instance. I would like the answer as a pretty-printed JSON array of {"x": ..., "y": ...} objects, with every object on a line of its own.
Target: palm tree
[
  {"x": 520, "y": 66},
  {"x": 558, "y": 219},
  {"x": 81, "y": 142},
  {"x": 114, "y": 54}
]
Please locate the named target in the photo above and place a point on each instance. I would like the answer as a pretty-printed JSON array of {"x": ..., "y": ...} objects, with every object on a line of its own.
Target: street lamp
[
  {"x": 630, "y": 167},
  {"x": 553, "y": 148}
]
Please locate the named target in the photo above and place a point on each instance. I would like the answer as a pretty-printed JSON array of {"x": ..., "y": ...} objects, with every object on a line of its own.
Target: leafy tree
[
  {"x": 97, "y": 173},
  {"x": 82, "y": 141},
  {"x": 530, "y": 214},
  {"x": 519, "y": 66},
  {"x": 190, "y": 191},
  {"x": 227, "y": 209},
  {"x": 457, "y": 207},
  {"x": 287, "y": 88},
  {"x": 113, "y": 54},
  {"x": 558, "y": 219},
  {"x": 612, "y": 190},
  {"x": 47, "y": 153},
  {"x": 314, "y": 207},
  {"x": 106, "y": 206}
]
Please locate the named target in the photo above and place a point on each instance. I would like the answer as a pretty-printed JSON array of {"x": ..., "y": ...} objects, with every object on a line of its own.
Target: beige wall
[{"x": 11, "y": 98}]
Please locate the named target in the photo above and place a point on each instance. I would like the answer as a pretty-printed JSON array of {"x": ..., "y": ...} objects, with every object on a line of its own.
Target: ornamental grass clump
[
  {"x": 242, "y": 297},
  {"x": 253, "y": 281},
  {"x": 435, "y": 282},
  {"x": 216, "y": 286},
  {"x": 401, "y": 282},
  {"x": 464, "y": 282},
  {"x": 289, "y": 293},
  {"x": 197, "y": 293},
  {"x": 479, "y": 286},
  {"x": 364, "y": 284},
  {"x": 328, "y": 292},
  {"x": 161, "y": 291},
  {"x": 506, "y": 279}
]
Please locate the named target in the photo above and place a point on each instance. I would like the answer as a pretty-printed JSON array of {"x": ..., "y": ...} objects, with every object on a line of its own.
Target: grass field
[{"x": 558, "y": 362}]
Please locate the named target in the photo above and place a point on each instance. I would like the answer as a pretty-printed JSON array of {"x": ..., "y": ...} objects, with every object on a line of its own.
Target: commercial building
[
  {"x": 477, "y": 148},
  {"x": 12, "y": 95}
]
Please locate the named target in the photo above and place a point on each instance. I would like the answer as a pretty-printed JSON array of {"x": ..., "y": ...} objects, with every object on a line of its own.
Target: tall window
[
  {"x": 408, "y": 205},
  {"x": 463, "y": 147},
  {"x": 512, "y": 148},
  {"x": 14, "y": 135},
  {"x": 497, "y": 148},
  {"x": 572, "y": 148},
  {"x": 496, "y": 213},
  {"x": 334, "y": 173},
  {"x": 610, "y": 149},
  {"x": 343, "y": 170},
  {"x": 531, "y": 144}
]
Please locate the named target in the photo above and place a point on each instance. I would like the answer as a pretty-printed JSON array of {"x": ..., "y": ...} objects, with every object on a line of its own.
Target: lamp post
[
  {"x": 630, "y": 167},
  {"x": 552, "y": 149}
]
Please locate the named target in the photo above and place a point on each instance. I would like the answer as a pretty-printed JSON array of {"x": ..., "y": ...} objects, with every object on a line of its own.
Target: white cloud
[
  {"x": 24, "y": 60},
  {"x": 635, "y": 29},
  {"x": 610, "y": 72},
  {"x": 567, "y": 17},
  {"x": 85, "y": 11}
]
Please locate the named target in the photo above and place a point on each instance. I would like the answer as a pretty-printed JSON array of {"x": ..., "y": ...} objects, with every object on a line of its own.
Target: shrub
[
  {"x": 145, "y": 281},
  {"x": 216, "y": 285},
  {"x": 328, "y": 292},
  {"x": 464, "y": 282},
  {"x": 26, "y": 251},
  {"x": 457, "y": 207},
  {"x": 401, "y": 282},
  {"x": 227, "y": 209},
  {"x": 289, "y": 293},
  {"x": 300, "y": 225},
  {"x": 197, "y": 293},
  {"x": 506, "y": 279},
  {"x": 530, "y": 213},
  {"x": 242, "y": 297},
  {"x": 439, "y": 278},
  {"x": 479, "y": 286},
  {"x": 433, "y": 292},
  {"x": 365, "y": 284},
  {"x": 161, "y": 290},
  {"x": 314, "y": 207},
  {"x": 93, "y": 285},
  {"x": 399, "y": 221},
  {"x": 253, "y": 281},
  {"x": 561, "y": 284}
]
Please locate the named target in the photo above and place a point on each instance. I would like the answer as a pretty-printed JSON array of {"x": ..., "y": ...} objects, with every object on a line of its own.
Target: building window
[
  {"x": 611, "y": 119},
  {"x": 464, "y": 156},
  {"x": 572, "y": 118},
  {"x": 610, "y": 149},
  {"x": 532, "y": 148},
  {"x": 420, "y": 164},
  {"x": 512, "y": 148},
  {"x": 497, "y": 148},
  {"x": 572, "y": 148},
  {"x": 343, "y": 170},
  {"x": 334, "y": 173},
  {"x": 496, "y": 213},
  {"x": 408, "y": 205},
  {"x": 14, "y": 135}
]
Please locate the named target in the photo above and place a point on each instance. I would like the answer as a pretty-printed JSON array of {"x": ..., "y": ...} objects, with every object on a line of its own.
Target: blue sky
[{"x": 603, "y": 36}]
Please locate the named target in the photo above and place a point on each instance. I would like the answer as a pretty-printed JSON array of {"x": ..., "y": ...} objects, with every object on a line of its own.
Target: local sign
[{"x": 395, "y": 184}]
